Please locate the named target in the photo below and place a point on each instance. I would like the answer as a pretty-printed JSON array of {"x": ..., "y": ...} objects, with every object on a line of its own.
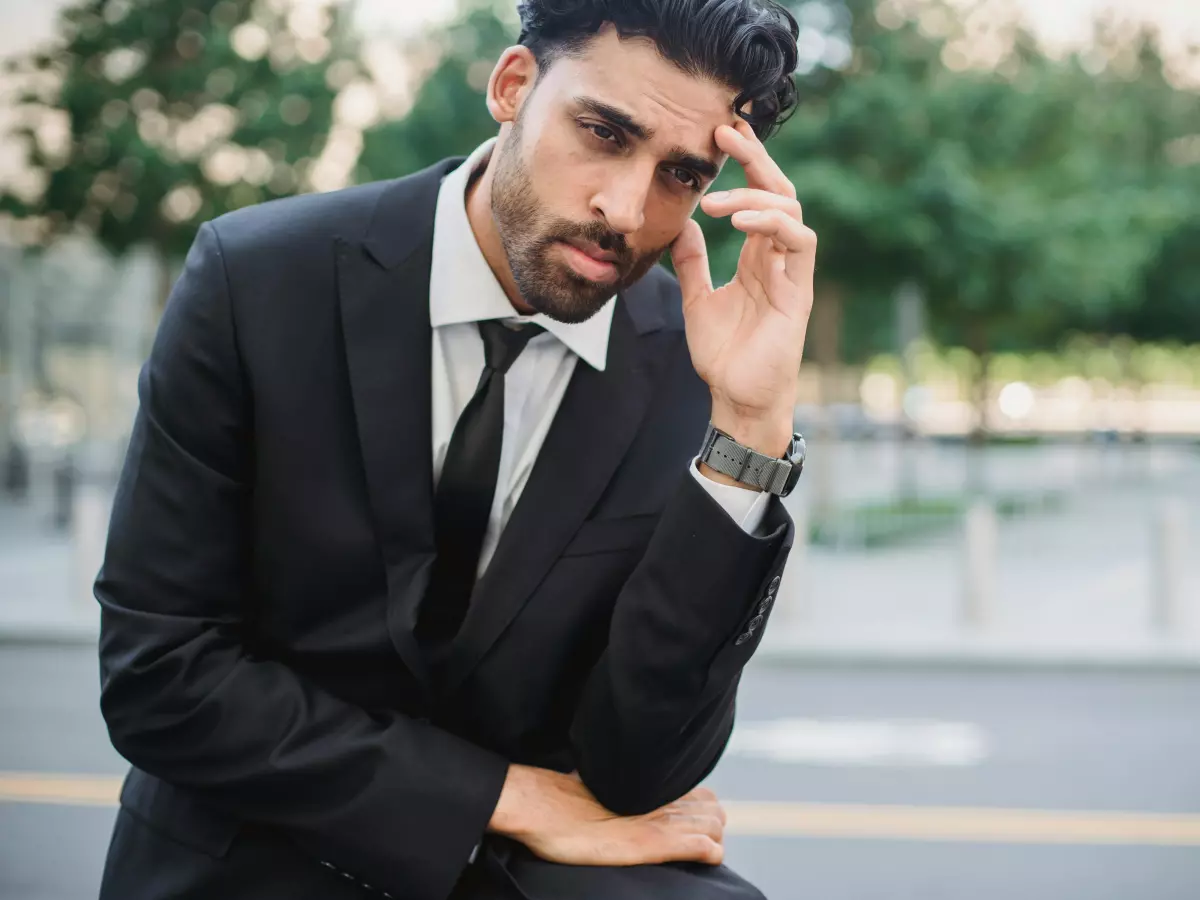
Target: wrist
[
  {"x": 512, "y": 813},
  {"x": 768, "y": 433}
]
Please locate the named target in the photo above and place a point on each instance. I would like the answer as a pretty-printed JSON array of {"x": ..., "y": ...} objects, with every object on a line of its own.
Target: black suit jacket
[{"x": 272, "y": 537}]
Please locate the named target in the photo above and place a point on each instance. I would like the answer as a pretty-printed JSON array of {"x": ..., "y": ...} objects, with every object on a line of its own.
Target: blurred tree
[
  {"x": 147, "y": 117},
  {"x": 1022, "y": 193},
  {"x": 1011, "y": 192},
  {"x": 1170, "y": 292},
  {"x": 1149, "y": 126},
  {"x": 449, "y": 116}
]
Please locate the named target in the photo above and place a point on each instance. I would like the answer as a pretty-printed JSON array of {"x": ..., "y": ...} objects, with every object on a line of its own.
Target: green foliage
[
  {"x": 1119, "y": 361},
  {"x": 1020, "y": 198},
  {"x": 904, "y": 521},
  {"x": 176, "y": 111},
  {"x": 449, "y": 116},
  {"x": 1027, "y": 199}
]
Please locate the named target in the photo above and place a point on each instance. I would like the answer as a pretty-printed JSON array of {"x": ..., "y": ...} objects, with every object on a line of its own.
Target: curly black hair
[{"x": 747, "y": 45}]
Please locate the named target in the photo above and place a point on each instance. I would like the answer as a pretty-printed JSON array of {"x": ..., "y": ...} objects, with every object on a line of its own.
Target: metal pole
[
  {"x": 980, "y": 534},
  {"x": 89, "y": 527},
  {"x": 910, "y": 328},
  {"x": 1169, "y": 551},
  {"x": 20, "y": 328}
]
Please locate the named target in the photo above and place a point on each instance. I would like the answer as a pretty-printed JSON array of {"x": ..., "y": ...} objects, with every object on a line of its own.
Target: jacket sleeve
[
  {"x": 395, "y": 801},
  {"x": 657, "y": 709}
]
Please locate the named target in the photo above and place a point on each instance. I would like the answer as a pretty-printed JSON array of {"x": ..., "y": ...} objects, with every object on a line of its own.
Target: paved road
[{"x": 881, "y": 747}]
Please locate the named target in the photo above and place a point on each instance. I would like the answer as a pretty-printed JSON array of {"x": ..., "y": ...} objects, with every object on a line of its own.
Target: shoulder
[
  {"x": 295, "y": 224},
  {"x": 655, "y": 302},
  {"x": 287, "y": 248}
]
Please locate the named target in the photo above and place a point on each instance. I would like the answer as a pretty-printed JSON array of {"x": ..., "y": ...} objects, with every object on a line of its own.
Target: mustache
[{"x": 590, "y": 232}]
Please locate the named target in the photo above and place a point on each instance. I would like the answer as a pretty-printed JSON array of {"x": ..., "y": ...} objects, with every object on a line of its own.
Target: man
[{"x": 404, "y": 597}]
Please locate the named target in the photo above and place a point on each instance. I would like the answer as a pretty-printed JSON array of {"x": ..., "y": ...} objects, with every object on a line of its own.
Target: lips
[
  {"x": 595, "y": 251},
  {"x": 592, "y": 263}
]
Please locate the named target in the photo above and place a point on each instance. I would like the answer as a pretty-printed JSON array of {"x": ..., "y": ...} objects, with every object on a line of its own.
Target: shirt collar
[{"x": 462, "y": 287}]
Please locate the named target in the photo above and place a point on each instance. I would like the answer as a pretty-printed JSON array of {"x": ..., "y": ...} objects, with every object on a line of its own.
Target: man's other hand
[{"x": 556, "y": 817}]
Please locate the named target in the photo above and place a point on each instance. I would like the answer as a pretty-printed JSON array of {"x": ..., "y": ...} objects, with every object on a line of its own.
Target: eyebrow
[{"x": 702, "y": 166}]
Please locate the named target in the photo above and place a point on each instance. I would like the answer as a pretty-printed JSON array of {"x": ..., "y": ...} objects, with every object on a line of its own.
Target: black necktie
[{"x": 467, "y": 486}]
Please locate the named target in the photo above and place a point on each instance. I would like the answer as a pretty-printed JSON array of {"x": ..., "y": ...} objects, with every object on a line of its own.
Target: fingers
[
  {"x": 689, "y": 255},
  {"x": 696, "y": 812},
  {"x": 684, "y": 811},
  {"x": 700, "y": 793},
  {"x": 684, "y": 846},
  {"x": 698, "y": 848},
  {"x": 726, "y": 203},
  {"x": 700, "y": 801},
  {"x": 788, "y": 235},
  {"x": 705, "y": 823},
  {"x": 762, "y": 172}
]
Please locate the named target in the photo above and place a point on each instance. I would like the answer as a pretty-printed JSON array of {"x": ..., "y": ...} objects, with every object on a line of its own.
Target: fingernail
[{"x": 718, "y": 195}]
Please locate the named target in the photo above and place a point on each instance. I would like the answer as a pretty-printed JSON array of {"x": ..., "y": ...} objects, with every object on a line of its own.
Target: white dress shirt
[{"x": 462, "y": 292}]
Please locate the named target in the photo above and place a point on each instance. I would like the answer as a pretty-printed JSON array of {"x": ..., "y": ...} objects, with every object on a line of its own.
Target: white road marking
[{"x": 848, "y": 742}]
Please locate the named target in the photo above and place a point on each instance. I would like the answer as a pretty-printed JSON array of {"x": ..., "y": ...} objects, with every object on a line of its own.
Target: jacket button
[
  {"x": 774, "y": 585},
  {"x": 755, "y": 622},
  {"x": 762, "y": 608},
  {"x": 741, "y": 639}
]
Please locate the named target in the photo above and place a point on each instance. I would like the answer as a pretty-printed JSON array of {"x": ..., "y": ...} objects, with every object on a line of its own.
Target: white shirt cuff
[{"x": 746, "y": 507}]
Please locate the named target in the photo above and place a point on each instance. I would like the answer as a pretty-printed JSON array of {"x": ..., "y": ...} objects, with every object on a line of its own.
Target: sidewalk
[
  {"x": 45, "y": 592},
  {"x": 1074, "y": 587}
]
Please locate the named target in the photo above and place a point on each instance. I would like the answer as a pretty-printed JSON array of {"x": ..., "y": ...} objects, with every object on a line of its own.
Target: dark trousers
[{"x": 146, "y": 862}]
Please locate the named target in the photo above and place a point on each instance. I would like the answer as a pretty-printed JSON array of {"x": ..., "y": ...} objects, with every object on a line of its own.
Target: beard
[{"x": 529, "y": 235}]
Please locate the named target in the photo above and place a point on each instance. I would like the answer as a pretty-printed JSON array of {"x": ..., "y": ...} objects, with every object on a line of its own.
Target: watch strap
[{"x": 723, "y": 454}]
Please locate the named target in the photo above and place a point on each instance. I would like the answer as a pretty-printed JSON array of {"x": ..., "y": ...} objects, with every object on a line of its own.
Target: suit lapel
[
  {"x": 599, "y": 416},
  {"x": 383, "y": 286}
]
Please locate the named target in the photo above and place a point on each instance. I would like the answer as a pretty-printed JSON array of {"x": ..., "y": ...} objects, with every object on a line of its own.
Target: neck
[{"x": 483, "y": 226}]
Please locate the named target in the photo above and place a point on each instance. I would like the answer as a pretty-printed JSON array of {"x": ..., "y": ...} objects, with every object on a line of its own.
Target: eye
[
  {"x": 601, "y": 132},
  {"x": 684, "y": 177}
]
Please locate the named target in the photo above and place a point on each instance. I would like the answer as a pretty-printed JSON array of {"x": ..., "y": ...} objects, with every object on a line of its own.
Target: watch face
[
  {"x": 796, "y": 455},
  {"x": 798, "y": 450}
]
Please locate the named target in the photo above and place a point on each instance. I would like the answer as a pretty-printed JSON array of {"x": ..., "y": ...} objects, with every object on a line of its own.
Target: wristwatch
[{"x": 775, "y": 476}]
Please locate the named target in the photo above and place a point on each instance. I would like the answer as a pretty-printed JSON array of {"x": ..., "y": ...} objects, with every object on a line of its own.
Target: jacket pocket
[
  {"x": 177, "y": 814},
  {"x": 611, "y": 535}
]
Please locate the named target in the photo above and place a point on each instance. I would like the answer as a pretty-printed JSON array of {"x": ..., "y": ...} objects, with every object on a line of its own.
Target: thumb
[{"x": 689, "y": 255}]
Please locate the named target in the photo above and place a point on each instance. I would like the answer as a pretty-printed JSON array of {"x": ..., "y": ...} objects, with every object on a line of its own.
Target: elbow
[
  {"x": 635, "y": 779},
  {"x": 127, "y": 711},
  {"x": 626, "y": 790},
  {"x": 158, "y": 711}
]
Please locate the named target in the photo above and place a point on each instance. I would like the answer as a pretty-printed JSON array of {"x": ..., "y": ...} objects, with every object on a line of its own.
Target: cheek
[
  {"x": 563, "y": 174},
  {"x": 665, "y": 219}
]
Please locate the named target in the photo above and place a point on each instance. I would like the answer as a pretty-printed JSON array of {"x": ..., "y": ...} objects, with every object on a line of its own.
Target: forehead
[{"x": 631, "y": 74}]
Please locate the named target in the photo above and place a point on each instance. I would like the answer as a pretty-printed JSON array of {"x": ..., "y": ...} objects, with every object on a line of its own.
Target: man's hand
[
  {"x": 556, "y": 817},
  {"x": 746, "y": 338}
]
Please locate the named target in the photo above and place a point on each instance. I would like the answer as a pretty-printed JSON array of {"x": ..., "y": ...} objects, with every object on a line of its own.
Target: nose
[{"x": 622, "y": 201}]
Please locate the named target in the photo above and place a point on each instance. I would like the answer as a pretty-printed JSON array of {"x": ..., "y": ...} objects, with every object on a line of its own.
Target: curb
[
  {"x": 1146, "y": 655},
  {"x": 784, "y": 651},
  {"x": 80, "y": 631}
]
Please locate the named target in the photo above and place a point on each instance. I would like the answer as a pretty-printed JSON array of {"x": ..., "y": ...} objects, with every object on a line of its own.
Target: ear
[{"x": 512, "y": 81}]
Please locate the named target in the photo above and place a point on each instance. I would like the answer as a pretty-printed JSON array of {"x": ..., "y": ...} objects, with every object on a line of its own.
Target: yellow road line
[
  {"x": 812, "y": 820},
  {"x": 71, "y": 790},
  {"x": 975, "y": 825}
]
